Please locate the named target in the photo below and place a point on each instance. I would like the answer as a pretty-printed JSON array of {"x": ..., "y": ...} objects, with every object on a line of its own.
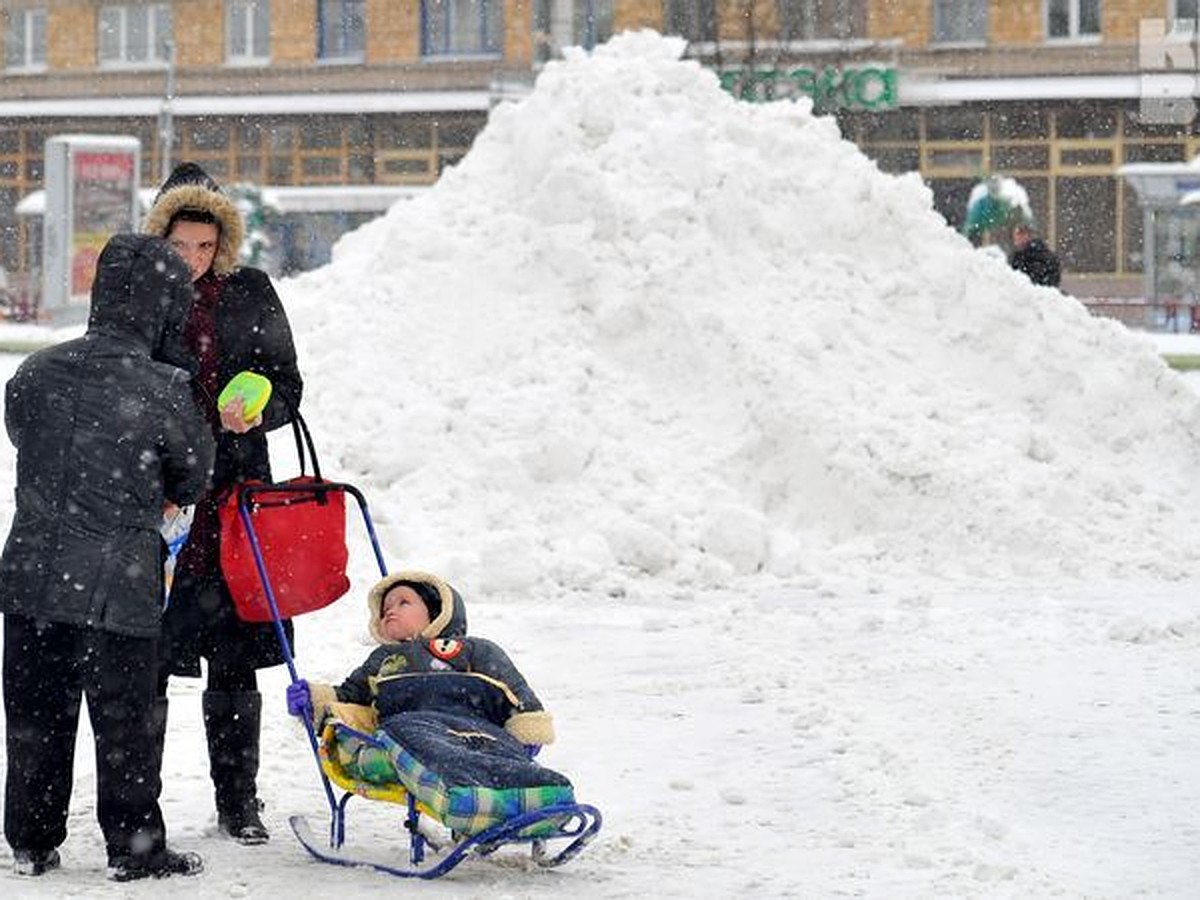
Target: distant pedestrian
[{"x": 1031, "y": 256}]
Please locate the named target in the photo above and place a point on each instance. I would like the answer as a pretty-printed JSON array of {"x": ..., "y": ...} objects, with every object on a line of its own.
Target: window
[
  {"x": 25, "y": 42},
  {"x": 592, "y": 22},
  {"x": 461, "y": 27},
  {"x": 959, "y": 21},
  {"x": 134, "y": 34},
  {"x": 695, "y": 20},
  {"x": 571, "y": 23},
  {"x": 247, "y": 30},
  {"x": 1184, "y": 14},
  {"x": 1085, "y": 223},
  {"x": 807, "y": 20},
  {"x": 1072, "y": 18},
  {"x": 341, "y": 30}
]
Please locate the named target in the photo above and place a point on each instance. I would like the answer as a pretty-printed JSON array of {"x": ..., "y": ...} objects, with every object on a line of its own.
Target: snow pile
[{"x": 647, "y": 332}]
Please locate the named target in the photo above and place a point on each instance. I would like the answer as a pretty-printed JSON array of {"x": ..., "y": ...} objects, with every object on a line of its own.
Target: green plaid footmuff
[{"x": 469, "y": 773}]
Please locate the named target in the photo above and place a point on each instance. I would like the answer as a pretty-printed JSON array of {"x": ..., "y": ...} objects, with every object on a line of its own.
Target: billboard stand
[{"x": 91, "y": 194}]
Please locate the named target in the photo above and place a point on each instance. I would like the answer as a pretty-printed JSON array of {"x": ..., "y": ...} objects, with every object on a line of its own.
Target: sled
[{"x": 554, "y": 833}]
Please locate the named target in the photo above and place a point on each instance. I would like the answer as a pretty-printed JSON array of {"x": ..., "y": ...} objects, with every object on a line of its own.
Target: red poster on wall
[{"x": 101, "y": 187}]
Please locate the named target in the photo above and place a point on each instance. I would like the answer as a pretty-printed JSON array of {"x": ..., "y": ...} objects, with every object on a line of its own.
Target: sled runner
[{"x": 369, "y": 762}]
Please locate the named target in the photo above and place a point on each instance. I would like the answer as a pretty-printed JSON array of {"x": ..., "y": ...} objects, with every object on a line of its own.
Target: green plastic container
[{"x": 253, "y": 389}]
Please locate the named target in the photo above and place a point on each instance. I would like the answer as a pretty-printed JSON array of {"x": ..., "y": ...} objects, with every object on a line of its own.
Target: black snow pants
[{"x": 48, "y": 668}]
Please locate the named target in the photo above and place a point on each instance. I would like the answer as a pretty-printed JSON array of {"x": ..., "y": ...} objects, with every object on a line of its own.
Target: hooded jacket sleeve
[
  {"x": 276, "y": 351},
  {"x": 357, "y": 686},
  {"x": 342, "y": 699},
  {"x": 16, "y": 403},
  {"x": 189, "y": 448},
  {"x": 528, "y": 722}
]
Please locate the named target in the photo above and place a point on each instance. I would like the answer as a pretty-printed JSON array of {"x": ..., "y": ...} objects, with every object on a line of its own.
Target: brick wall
[
  {"x": 293, "y": 31},
  {"x": 393, "y": 31},
  {"x": 909, "y": 20},
  {"x": 1121, "y": 17},
  {"x": 1010, "y": 22},
  {"x": 736, "y": 17},
  {"x": 518, "y": 32},
  {"x": 71, "y": 35},
  {"x": 1016, "y": 21},
  {"x": 199, "y": 30},
  {"x": 631, "y": 15}
]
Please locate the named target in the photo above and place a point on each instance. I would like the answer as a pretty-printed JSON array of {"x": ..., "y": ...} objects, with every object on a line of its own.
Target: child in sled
[{"x": 449, "y": 706}]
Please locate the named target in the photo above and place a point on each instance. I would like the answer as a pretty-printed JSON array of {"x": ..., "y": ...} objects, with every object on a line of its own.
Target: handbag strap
[{"x": 304, "y": 439}]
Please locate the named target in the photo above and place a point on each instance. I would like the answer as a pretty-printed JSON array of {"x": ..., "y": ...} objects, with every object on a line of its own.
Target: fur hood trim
[
  {"x": 451, "y": 620},
  {"x": 197, "y": 196}
]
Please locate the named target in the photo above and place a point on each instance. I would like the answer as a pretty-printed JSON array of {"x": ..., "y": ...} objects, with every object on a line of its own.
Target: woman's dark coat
[
  {"x": 252, "y": 333},
  {"x": 106, "y": 430}
]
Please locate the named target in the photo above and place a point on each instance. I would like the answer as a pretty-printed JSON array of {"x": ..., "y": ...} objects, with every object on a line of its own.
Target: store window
[
  {"x": 462, "y": 27},
  {"x": 959, "y": 21},
  {"x": 1132, "y": 230},
  {"x": 247, "y": 31},
  {"x": 1086, "y": 120},
  {"x": 954, "y": 123},
  {"x": 25, "y": 40},
  {"x": 1019, "y": 122},
  {"x": 1085, "y": 224},
  {"x": 695, "y": 20},
  {"x": 1020, "y": 157},
  {"x": 807, "y": 20},
  {"x": 341, "y": 30},
  {"x": 134, "y": 34},
  {"x": 1072, "y": 19},
  {"x": 950, "y": 198}
]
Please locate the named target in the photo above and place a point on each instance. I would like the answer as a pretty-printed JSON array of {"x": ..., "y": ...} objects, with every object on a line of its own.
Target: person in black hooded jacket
[
  {"x": 106, "y": 434},
  {"x": 237, "y": 323},
  {"x": 1031, "y": 256}
]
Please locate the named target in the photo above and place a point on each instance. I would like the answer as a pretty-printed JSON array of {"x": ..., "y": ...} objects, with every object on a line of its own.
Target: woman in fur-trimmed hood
[
  {"x": 425, "y": 662},
  {"x": 237, "y": 323}
]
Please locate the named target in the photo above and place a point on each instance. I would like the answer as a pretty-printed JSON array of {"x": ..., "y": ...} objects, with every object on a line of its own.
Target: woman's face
[
  {"x": 403, "y": 615},
  {"x": 197, "y": 243}
]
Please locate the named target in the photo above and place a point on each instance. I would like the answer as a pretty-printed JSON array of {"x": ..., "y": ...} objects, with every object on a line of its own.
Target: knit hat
[
  {"x": 427, "y": 592},
  {"x": 188, "y": 173}
]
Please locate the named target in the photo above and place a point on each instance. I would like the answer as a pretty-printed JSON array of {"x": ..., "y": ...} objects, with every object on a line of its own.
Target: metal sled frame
[{"x": 577, "y": 823}]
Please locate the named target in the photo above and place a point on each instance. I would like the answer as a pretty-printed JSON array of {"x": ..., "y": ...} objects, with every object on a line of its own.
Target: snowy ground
[
  {"x": 809, "y": 743},
  {"x": 849, "y": 563}
]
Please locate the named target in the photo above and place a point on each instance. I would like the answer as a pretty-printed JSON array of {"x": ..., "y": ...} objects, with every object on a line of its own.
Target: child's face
[{"x": 403, "y": 614}]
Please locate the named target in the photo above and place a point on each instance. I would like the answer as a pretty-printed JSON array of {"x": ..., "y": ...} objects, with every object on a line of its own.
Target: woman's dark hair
[{"x": 193, "y": 214}]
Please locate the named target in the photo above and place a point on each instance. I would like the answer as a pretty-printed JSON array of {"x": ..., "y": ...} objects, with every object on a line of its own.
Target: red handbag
[{"x": 299, "y": 527}]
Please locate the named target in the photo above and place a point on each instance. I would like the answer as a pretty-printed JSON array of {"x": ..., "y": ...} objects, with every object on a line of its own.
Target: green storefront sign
[{"x": 871, "y": 88}]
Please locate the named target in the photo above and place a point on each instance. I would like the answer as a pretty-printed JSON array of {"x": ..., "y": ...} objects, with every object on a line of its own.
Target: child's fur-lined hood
[{"x": 450, "y": 621}]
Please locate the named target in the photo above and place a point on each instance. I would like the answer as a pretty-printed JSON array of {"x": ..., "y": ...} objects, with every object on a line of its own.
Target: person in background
[
  {"x": 106, "y": 434},
  {"x": 237, "y": 323},
  {"x": 1031, "y": 256}
]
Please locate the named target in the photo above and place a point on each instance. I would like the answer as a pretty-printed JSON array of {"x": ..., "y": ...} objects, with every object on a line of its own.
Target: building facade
[
  {"x": 390, "y": 92},
  {"x": 1059, "y": 94}
]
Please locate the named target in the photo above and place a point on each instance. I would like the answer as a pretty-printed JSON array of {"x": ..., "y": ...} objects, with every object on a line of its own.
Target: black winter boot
[
  {"x": 159, "y": 864},
  {"x": 231, "y": 722}
]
